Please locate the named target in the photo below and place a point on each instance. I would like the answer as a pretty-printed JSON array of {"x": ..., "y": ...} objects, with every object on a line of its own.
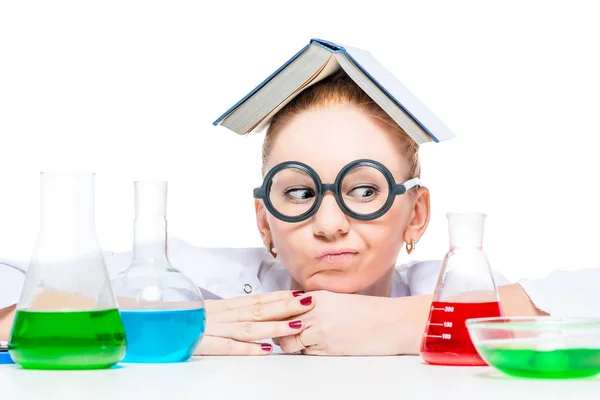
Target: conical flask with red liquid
[{"x": 465, "y": 289}]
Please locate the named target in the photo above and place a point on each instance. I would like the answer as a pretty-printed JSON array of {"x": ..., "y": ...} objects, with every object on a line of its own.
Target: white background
[{"x": 130, "y": 90}]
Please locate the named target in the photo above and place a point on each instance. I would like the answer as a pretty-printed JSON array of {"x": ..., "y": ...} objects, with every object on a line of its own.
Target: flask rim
[
  {"x": 465, "y": 214},
  {"x": 65, "y": 174}
]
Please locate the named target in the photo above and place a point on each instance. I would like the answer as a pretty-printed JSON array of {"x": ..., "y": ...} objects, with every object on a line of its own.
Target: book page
[
  {"x": 276, "y": 89},
  {"x": 330, "y": 68}
]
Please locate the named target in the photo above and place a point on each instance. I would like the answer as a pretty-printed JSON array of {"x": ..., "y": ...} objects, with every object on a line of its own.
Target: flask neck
[
  {"x": 465, "y": 246},
  {"x": 150, "y": 240},
  {"x": 67, "y": 204},
  {"x": 466, "y": 230},
  {"x": 150, "y": 225}
]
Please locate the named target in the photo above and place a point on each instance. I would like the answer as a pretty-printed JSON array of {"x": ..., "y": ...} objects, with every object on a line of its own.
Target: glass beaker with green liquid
[{"x": 67, "y": 316}]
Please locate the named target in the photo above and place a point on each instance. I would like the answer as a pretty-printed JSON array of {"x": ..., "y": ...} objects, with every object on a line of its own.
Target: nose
[{"x": 330, "y": 220}]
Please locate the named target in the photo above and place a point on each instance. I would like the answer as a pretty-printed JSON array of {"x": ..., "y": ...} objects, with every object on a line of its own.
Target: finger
[
  {"x": 295, "y": 343},
  {"x": 249, "y": 330},
  {"x": 218, "y": 346},
  {"x": 317, "y": 351},
  {"x": 290, "y": 344},
  {"x": 275, "y": 311},
  {"x": 244, "y": 301}
]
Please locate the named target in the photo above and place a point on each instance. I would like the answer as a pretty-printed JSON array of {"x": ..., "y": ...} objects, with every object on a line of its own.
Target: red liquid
[{"x": 447, "y": 341}]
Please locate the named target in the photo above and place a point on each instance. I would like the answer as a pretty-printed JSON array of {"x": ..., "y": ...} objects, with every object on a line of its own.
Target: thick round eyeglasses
[{"x": 364, "y": 190}]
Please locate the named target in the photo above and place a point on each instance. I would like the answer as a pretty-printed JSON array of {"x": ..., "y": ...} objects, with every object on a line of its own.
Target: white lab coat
[{"x": 230, "y": 272}]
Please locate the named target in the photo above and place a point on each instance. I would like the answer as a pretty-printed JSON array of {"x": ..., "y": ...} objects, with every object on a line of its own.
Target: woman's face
[{"x": 330, "y": 250}]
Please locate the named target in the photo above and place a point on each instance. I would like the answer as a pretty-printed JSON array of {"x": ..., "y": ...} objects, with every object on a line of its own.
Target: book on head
[{"x": 318, "y": 60}]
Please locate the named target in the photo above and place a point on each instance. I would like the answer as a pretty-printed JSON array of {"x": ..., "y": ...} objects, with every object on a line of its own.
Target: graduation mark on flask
[
  {"x": 443, "y": 324},
  {"x": 446, "y": 340},
  {"x": 444, "y": 336},
  {"x": 445, "y": 309}
]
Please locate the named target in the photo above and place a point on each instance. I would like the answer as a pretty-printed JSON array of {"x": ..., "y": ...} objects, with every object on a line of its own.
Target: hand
[
  {"x": 232, "y": 324},
  {"x": 349, "y": 324}
]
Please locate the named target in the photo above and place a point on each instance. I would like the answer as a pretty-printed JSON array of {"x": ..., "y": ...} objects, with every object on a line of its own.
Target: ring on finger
[{"x": 299, "y": 342}]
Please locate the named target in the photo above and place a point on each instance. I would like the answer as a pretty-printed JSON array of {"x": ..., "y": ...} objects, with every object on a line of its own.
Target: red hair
[{"x": 340, "y": 89}]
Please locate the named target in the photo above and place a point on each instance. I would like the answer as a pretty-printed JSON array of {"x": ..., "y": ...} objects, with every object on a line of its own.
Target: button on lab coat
[{"x": 229, "y": 272}]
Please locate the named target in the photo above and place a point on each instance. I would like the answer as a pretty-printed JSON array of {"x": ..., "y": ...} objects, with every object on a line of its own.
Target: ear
[
  {"x": 261, "y": 222},
  {"x": 419, "y": 217}
]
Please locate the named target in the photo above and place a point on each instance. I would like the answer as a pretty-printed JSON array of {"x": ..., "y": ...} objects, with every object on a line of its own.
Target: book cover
[{"x": 368, "y": 73}]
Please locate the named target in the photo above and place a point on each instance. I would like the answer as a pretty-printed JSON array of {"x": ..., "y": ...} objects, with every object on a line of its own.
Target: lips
[{"x": 338, "y": 256}]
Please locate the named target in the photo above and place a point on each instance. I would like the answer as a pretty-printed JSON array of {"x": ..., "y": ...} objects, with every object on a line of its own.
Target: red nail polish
[
  {"x": 307, "y": 301},
  {"x": 266, "y": 346},
  {"x": 298, "y": 293},
  {"x": 296, "y": 324}
]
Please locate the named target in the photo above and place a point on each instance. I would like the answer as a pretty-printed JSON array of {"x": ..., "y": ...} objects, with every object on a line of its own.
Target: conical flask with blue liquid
[{"x": 162, "y": 310}]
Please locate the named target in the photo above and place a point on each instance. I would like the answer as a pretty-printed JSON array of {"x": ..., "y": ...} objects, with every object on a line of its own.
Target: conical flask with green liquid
[{"x": 67, "y": 316}]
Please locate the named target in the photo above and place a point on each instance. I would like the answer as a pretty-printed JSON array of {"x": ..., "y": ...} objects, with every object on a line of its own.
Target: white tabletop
[{"x": 287, "y": 377}]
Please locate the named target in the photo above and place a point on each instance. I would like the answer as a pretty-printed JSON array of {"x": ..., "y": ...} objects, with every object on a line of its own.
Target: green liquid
[
  {"x": 67, "y": 339},
  {"x": 564, "y": 363}
]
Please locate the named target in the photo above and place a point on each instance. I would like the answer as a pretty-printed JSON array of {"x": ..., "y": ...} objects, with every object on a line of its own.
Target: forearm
[
  {"x": 7, "y": 315},
  {"x": 413, "y": 313},
  {"x": 515, "y": 302}
]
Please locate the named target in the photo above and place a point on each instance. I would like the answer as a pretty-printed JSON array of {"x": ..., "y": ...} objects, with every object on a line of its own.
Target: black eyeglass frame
[{"x": 395, "y": 189}]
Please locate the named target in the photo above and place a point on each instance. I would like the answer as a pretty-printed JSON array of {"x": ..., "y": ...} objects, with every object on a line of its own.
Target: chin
[{"x": 332, "y": 283}]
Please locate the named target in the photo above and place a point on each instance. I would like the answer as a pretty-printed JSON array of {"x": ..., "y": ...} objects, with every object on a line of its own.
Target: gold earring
[
  {"x": 410, "y": 247},
  {"x": 272, "y": 251}
]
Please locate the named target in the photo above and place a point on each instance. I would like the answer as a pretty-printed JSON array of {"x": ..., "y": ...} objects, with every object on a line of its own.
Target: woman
[
  {"x": 326, "y": 284},
  {"x": 343, "y": 252}
]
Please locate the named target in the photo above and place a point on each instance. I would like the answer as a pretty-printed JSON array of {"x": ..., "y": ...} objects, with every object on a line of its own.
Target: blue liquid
[
  {"x": 162, "y": 336},
  {"x": 5, "y": 358}
]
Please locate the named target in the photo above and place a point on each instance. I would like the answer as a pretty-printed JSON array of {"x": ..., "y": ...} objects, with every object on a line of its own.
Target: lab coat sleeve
[
  {"x": 422, "y": 277},
  {"x": 566, "y": 293},
  {"x": 12, "y": 278},
  {"x": 217, "y": 272},
  {"x": 12, "y": 273},
  {"x": 119, "y": 261}
]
